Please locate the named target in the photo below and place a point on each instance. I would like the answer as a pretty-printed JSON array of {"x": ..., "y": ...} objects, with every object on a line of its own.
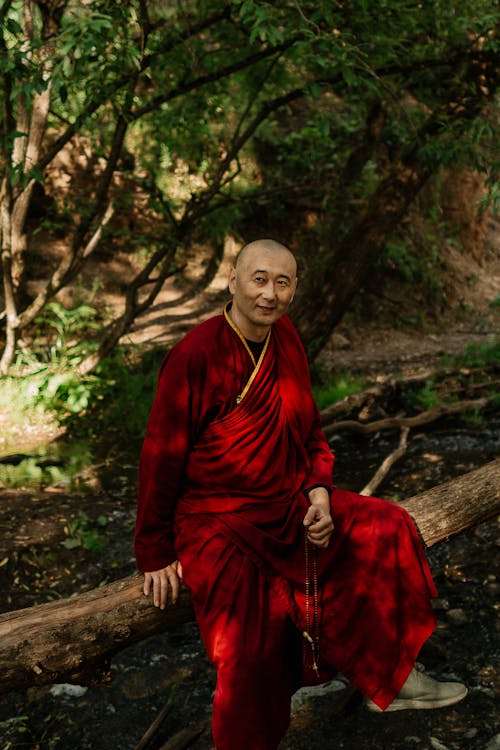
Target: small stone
[
  {"x": 470, "y": 733},
  {"x": 68, "y": 691},
  {"x": 494, "y": 743},
  {"x": 306, "y": 693},
  {"x": 340, "y": 342},
  {"x": 412, "y": 738},
  {"x": 436, "y": 744},
  {"x": 457, "y": 616},
  {"x": 441, "y": 604}
]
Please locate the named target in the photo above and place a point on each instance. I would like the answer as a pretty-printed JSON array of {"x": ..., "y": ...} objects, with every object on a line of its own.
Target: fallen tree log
[
  {"x": 425, "y": 417},
  {"x": 390, "y": 384},
  {"x": 74, "y": 640}
]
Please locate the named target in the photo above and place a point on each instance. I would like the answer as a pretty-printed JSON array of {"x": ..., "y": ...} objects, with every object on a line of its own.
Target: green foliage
[
  {"x": 336, "y": 388},
  {"x": 423, "y": 398},
  {"x": 14, "y": 731},
  {"x": 45, "y": 386},
  {"x": 81, "y": 532},
  {"x": 45, "y": 376},
  {"x": 477, "y": 363},
  {"x": 474, "y": 419},
  {"x": 119, "y": 395},
  {"x": 240, "y": 111},
  {"x": 64, "y": 330},
  {"x": 415, "y": 259},
  {"x": 482, "y": 356}
]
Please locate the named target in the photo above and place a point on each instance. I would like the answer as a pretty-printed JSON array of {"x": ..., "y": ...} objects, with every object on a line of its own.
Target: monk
[{"x": 292, "y": 581}]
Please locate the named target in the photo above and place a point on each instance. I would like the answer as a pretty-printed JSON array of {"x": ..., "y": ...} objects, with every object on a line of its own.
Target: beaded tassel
[{"x": 314, "y": 639}]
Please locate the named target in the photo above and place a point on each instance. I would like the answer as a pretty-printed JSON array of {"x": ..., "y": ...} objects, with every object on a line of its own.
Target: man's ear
[{"x": 231, "y": 282}]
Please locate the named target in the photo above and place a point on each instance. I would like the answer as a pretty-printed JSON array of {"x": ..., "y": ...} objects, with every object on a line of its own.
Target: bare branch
[
  {"x": 200, "y": 203},
  {"x": 64, "y": 270},
  {"x": 217, "y": 75},
  {"x": 387, "y": 464},
  {"x": 96, "y": 237},
  {"x": 425, "y": 417}
]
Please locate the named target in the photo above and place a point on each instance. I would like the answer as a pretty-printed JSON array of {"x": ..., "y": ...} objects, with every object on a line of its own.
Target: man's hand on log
[
  {"x": 318, "y": 519},
  {"x": 160, "y": 580}
]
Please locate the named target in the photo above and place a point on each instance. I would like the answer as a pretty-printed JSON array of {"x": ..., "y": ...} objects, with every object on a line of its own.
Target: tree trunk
[
  {"x": 352, "y": 260},
  {"x": 74, "y": 640}
]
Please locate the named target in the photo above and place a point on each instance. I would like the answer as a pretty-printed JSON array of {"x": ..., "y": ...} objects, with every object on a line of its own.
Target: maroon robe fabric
[{"x": 222, "y": 488}]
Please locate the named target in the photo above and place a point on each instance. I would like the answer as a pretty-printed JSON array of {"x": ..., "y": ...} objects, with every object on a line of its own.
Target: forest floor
[{"x": 56, "y": 542}]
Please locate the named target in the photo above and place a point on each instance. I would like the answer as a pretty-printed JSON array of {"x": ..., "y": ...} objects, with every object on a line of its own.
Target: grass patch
[
  {"x": 336, "y": 389},
  {"x": 116, "y": 397},
  {"x": 477, "y": 355},
  {"x": 424, "y": 398}
]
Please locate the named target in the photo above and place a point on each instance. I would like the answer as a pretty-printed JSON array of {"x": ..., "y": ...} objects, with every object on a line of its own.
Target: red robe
[{"x": 223, "y": 489}]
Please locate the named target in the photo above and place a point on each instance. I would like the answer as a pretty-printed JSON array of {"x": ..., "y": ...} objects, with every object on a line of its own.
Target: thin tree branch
[
  {"x": 199, "y": 204},
  {"x": 216, "y": 75},
  {"x": 387, "y": 464},
  {"x": 425, "y": 417},
  {"x": 107, "y": 91},
  {"x": 96, "y": 237}
]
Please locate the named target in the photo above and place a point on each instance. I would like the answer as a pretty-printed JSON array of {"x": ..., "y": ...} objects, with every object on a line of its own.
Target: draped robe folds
[{"x": 223, "y": 487}]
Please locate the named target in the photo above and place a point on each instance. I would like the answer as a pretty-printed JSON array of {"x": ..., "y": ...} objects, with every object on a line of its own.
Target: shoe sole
[{"x": 402, "y": 704}]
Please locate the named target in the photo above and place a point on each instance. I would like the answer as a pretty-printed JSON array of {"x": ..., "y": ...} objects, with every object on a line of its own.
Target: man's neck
[{"x": 257, "y": 334}]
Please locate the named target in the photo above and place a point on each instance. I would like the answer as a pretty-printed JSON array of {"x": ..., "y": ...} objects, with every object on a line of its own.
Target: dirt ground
[{"x": 172, "y": 668}]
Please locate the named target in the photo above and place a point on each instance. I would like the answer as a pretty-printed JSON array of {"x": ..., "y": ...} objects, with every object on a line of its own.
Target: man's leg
[
  {"x": 376, "y": 598},
  {"x": 250, "y": 639}
]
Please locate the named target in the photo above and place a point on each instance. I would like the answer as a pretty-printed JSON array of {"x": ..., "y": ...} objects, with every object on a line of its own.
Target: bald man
[{"x": 291, "y": 581}]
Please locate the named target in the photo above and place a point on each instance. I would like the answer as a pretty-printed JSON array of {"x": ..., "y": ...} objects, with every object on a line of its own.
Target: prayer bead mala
[{"x": 313, "y": 639}]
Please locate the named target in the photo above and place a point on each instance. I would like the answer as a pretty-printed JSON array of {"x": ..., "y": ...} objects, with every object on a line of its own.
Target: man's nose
[{"x": 269, "y": 292}]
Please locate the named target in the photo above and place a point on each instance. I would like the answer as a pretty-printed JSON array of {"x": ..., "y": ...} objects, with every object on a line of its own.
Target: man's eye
[
  {"x": 283, "y": 282},
  {"x": 259, "y": 279}
]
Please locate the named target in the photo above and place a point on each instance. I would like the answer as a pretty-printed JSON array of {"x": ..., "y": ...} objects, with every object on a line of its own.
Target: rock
[
  {"x": 436, "y": 744},
  {"x": 494, "y": 743},
  {"x": 340, "y": 342},
  {"x": 457, "y": 616},
  {"x": 470, "y": 733},
  {"x": 68, "y": 691},
  {"x": 441, "y": 604},
  {"x": 306, "y": 693}
]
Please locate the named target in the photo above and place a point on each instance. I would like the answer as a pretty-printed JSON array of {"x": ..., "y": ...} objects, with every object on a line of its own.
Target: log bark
[
  {"x": 452, "y": 507},
  {"x": 74, "y": 640}
]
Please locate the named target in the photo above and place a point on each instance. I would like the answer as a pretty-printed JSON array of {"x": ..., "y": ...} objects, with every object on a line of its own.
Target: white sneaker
[{"x": 422, "y": 692}]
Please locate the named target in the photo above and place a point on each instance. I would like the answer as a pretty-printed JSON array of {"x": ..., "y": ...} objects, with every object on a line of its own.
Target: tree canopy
[{"x": 230, "y": 117}]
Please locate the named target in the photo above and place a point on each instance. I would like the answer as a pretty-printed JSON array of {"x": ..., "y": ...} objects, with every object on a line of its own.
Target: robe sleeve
[{"x": 170, "y": 432}]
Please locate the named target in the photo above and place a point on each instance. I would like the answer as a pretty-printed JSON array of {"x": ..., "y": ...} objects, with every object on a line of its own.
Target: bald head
[
  {"x": 262, "y": 282},
  {"x": 249, "y": 251}
]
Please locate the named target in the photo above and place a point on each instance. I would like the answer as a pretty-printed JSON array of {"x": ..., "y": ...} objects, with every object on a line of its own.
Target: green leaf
[{"x": 71, "y": 543}]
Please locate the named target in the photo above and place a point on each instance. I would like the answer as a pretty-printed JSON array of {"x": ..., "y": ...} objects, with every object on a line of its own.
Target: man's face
[{"x": 262, "y": 284}]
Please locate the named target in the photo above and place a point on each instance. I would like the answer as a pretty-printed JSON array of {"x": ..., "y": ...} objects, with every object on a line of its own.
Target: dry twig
[
  {"x": 425, "y": 417},
  {"x": 387, "y": 464},
  {"x": 186, "y": 737},
  {"x": 152, "y": 730}
]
